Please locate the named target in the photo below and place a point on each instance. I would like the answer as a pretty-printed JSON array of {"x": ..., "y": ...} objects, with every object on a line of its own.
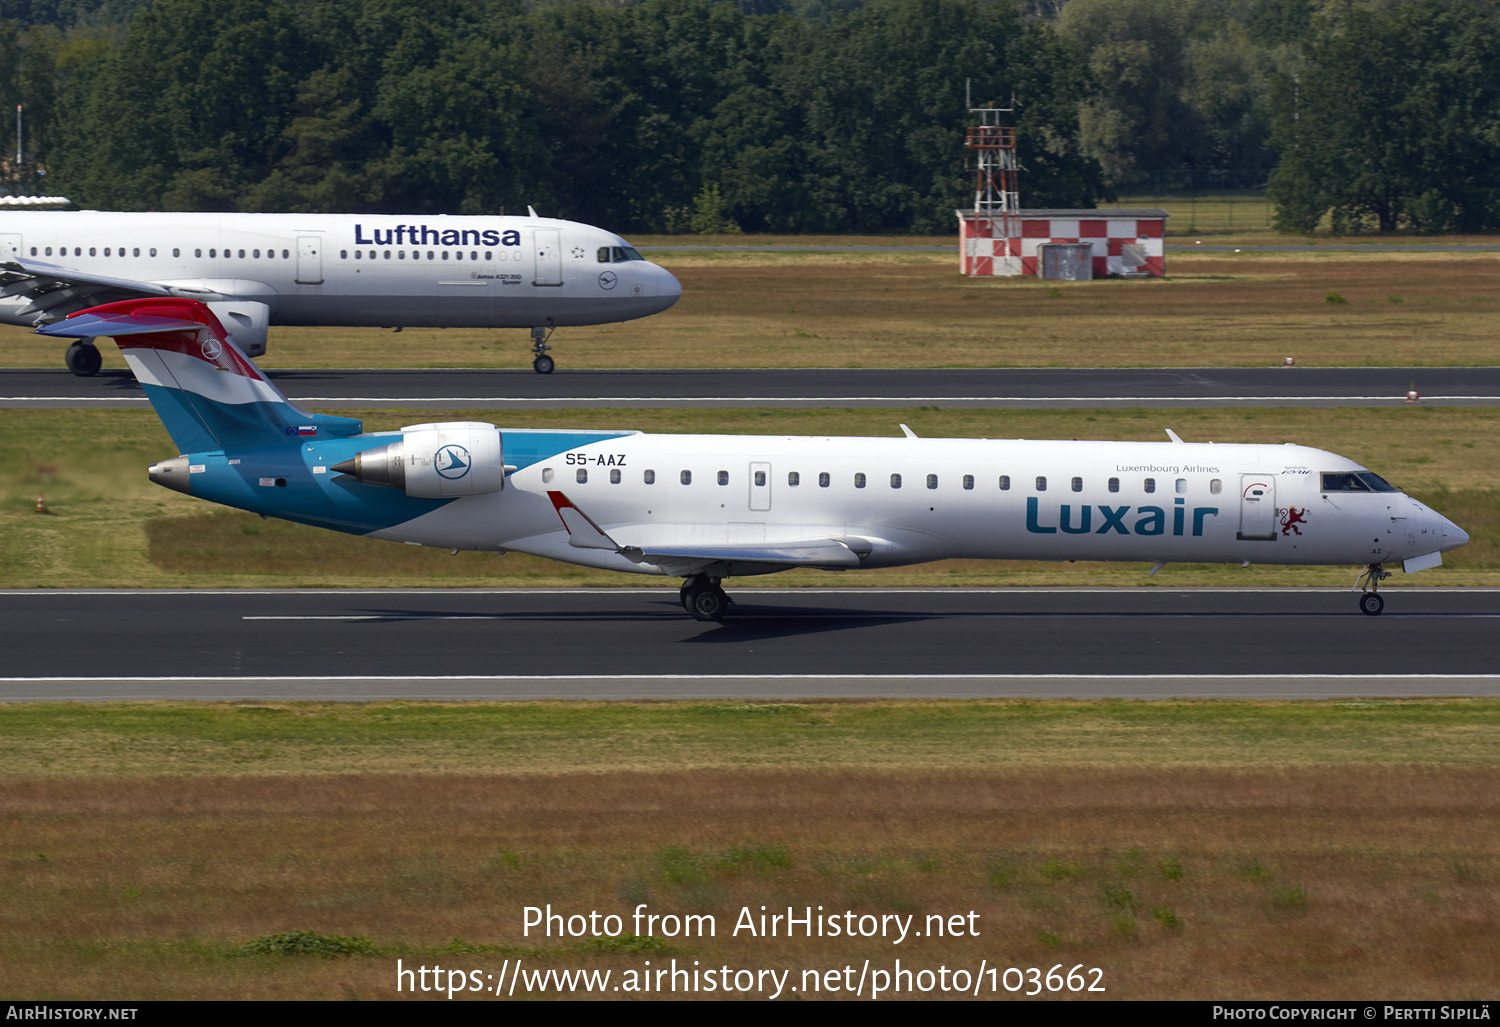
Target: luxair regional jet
[
  {"x": 256, "y": 270},
  {"x": 705, "y": 507}
]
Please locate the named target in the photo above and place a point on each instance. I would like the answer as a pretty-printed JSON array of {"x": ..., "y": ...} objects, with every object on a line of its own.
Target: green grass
[{"x": 135, "y": 739}]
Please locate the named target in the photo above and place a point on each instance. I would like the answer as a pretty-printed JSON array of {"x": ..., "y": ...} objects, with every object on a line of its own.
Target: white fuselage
[
  {"x": 917, "y": 500},
  {"x": 353, "y": 269}
]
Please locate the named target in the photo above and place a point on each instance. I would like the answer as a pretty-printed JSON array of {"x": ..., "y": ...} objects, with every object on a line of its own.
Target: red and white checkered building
[{"x": 1124, "y": 242}]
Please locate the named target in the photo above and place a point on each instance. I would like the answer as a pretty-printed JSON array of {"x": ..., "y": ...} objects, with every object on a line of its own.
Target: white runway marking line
[
  {"x": 790, "y": 590},
  {"x": 769, "y": 677},
  {"x": 863, "y": 615}
]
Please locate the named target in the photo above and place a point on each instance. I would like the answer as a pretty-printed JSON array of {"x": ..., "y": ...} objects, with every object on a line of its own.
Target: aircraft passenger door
[
  {"x": 548, "y": 257},
  {"x": 1257, "y": 507},
  {"x": 10, "y": 247},
  {"x": 760, "y": 486},
  {"x": 309, "y": 260}
]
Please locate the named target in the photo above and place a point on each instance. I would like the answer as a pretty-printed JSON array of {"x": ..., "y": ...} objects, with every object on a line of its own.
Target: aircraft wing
[
  {"x": 39, "y": 293},
  {"x": 583, "y": 533}
]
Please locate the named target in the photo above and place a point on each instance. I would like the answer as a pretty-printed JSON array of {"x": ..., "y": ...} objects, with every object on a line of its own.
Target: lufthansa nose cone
[{"x": 668, "y": 288}]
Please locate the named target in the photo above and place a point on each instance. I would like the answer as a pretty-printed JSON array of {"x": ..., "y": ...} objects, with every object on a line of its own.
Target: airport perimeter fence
[{"x": 1216, "y": 201}]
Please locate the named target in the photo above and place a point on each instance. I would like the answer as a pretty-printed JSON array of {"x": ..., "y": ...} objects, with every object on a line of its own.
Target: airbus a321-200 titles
[
  {"x": 707, "y": 507},
  {"x": 353, "y": 270}
]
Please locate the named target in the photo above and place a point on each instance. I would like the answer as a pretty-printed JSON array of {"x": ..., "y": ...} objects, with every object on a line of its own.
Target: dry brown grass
[
  {"x": 1355, "y": 883},
  {"x": 914, "y": 309}
]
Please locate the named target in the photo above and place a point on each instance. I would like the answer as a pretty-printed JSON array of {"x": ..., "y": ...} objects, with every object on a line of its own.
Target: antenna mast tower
[{"x": 997, "y": 201}]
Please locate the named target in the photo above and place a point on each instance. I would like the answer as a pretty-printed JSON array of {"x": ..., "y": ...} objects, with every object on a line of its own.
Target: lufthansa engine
[{"x": 435, "y": 461}]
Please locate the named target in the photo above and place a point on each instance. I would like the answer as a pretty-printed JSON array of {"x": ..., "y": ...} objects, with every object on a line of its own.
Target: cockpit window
[
  {"x": 604, "y": 254},
  {"x": 1346, "y": 481},
  {"x": 623, "y": 253},
  {"x": 1376, "y": 482}
]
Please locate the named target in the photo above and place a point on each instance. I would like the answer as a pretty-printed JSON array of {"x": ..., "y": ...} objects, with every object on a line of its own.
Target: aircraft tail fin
[{"x": 206, "y": 391}]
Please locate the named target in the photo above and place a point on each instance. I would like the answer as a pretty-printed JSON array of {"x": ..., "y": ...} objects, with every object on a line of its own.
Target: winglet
[
  {"x": 1173, "y": 435},
  {"x": 583, "y": 533},
  {"x": 532, "y": 211}
]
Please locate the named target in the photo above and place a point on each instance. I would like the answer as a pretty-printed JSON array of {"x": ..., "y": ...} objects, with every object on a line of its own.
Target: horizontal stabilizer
[{"x": 90, "y": 326}]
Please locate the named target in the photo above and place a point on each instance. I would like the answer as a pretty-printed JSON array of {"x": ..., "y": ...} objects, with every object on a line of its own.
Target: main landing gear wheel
[
  {"x": 84, "y": 361},
  {"x": 1371, "y": 603},
  {"x": 705, "y": 600},
  {"x": 543, "y": 365}
]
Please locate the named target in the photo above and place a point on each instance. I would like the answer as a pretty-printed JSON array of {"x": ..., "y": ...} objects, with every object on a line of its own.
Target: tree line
[{"x": 761, "y": 115}]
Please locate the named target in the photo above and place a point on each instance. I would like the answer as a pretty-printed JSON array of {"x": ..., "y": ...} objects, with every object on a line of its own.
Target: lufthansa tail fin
[{"x": 205, "y": 390}]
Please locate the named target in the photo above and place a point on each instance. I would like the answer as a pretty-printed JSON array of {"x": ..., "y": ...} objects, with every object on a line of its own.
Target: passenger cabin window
[
  {"x": 614, "y": 476},
  {"x": 343, "y": 254},
  {"x": 932, "y": 481},
  {"x": 93, "y": 252},
  {"x": 106, "y": 251},
  {"x": 760, "y": 479},
  {"x": 969, "y": 482},
  {"x": 1041, "y": 484},
  {"x": 176, "y": 251},
  {"x": 33, "y": 251},
  {"x": 895, "y": 481},
  {"x": 1216, "y": 486},
  {"x": 723, "y": 478},
  {"x": 546, "y": 476},
  {"x": 686, "y": 477},
  {"x": 859, "y": 481},
  {"x": 1114, "y": 484},
  {"x": 649, "y": 477},
  {"x": 197, "y": 253},
  {"x": 582, "y": 475},
  {"x": 824, "y": 480},
  {"x": 153, "y": 251},
  {"x": 285, "y": 254},
  {"x": 1004, "y": 483},
  {"x": 256, "y": 254},
  {"x": 793, "y": 479},
  {"x": 1150, "y": 485},
  {"x": 1182, "y": 486},
  {"x": 1077, "y": 484}
]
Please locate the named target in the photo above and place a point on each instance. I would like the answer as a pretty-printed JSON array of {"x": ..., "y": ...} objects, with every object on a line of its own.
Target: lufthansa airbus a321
[
  {"x": 707, "y": 507},
  {"x": 256, "y": 270}
]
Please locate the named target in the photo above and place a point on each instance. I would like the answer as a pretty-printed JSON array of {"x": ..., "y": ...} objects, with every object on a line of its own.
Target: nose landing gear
[
  {"x": 702, "y": 597},
  {"x": 543, "y": 364},
  {"x": 1371, "y": 603}
]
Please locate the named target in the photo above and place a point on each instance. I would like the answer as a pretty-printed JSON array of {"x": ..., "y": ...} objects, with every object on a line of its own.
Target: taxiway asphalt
[
  {"x": 1019, "y": 388},
  {"x": 777, "y": 644}
]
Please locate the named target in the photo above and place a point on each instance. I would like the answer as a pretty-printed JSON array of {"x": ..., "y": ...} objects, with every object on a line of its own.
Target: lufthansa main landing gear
[
  {"x": 702, "y": 597},
  {"x": 1371, "y": 603},
  {"x": 83, "y": 360},
  {"x": 543, "y": 364}
]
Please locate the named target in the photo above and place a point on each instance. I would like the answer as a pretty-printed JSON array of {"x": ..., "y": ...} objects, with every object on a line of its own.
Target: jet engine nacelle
[{"x": 435, "y": 461}]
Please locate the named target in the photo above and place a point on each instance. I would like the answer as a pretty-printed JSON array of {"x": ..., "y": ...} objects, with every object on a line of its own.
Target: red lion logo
[{"x": 1291, "y": 517}]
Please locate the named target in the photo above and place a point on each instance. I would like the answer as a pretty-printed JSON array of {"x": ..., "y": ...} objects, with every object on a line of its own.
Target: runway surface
[
  {"x": 1021, "y": 388},
  {"x": 638, "y": 643}
]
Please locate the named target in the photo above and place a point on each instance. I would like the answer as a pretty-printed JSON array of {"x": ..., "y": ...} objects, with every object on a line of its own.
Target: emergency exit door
[
  {"x": 1257, "y": 507},
  {"x": 309, "y": 260},
  {"x": 760, "y": 486},
  {"x": 548, "y": 257}
]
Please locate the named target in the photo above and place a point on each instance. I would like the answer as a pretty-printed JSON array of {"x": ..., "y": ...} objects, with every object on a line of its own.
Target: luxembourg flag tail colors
[{"x": 707, "y": 507}]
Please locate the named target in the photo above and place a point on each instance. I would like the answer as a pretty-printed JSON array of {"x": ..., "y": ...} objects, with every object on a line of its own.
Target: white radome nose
[
  {"x": 1453, "y": 535},
  {"x": 668, "y": 288}
]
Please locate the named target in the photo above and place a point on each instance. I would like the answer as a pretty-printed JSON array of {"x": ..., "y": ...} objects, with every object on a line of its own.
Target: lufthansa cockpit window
[
  {"x": 618, "y": 254},
  {"x": 1356, "y": 481}
]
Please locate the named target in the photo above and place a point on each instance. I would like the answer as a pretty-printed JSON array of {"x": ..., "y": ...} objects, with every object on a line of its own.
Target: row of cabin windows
[
  {"x": 793, "y": 479},
  {"x": 417, "y": 255},
  {"x": 1215, "y": 486},
  {"x": 110, "y": 251}
]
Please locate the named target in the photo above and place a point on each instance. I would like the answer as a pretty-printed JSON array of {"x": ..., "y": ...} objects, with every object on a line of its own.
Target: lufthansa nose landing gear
[
  {"x": 702, "y": 597},
  {"x": 542, "y": 364},
  {"x": 1371, "y": 603}
]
